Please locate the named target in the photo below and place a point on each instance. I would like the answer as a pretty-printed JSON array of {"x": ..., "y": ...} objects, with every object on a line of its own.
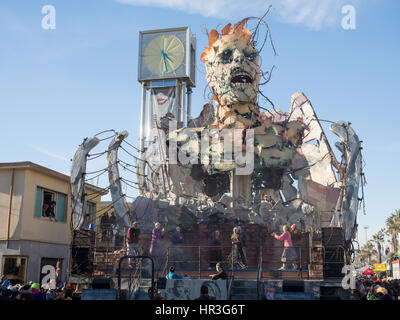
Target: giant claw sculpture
[
  {"x": 118, "y": 199},
  {"x": 350, "y": 147},
  {"x": 78, "y": 170}
]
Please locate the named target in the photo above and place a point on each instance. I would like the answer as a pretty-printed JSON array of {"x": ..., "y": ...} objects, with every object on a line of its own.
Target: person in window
[
  {"x": 104, "y": 226},
  {"x": 44, "y": 209},
  {"x": 49, "y": 212}
]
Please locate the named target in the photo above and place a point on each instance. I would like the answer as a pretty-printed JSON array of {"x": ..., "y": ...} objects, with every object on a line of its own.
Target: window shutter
[
  {"x": 61, "y": 207},
  {"x": 39, "y": 200}
]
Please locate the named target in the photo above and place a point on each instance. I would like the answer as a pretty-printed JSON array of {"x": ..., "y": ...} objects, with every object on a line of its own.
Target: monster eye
[
  {"x": 226, "y": 55},
  {"x": 251, "y": 56}
]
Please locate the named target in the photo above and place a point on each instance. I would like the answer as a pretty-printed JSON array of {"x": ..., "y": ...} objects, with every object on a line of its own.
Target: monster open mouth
[{"x": 241, "y": 79}]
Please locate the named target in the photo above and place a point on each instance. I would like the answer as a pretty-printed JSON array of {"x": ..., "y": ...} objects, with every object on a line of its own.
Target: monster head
[{"x": 231, "y": 62}]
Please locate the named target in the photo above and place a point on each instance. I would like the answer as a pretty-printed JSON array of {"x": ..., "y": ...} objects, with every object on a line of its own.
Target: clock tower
[{"x": 166, "y": 71}]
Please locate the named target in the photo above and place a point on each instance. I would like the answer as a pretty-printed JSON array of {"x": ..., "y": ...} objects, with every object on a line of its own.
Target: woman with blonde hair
[
  {"x": 237, "y": 257},
  {"x": 156, "y": 249}
]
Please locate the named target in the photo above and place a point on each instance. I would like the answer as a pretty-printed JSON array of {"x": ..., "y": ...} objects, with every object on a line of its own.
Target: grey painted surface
[
  {"x": 311, "y": 290},
  {"x": 99, "y": 294},
  {"x": 244, "y": 290},
  {"x": 190, "y": 289},
  {"x": 35, "y": 251}
]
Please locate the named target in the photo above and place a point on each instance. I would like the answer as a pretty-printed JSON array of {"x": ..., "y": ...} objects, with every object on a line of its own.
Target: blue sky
[{"x": 60, "y": 86}]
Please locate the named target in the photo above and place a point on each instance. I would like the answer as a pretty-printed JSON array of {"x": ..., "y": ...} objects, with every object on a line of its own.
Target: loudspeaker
[
  {"x": 102, "y": 283},
  {"x": 161, "y": 283}
]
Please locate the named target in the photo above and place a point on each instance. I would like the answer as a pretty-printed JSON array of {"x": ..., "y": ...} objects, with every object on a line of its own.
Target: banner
[
  {"x": 163, "y": 100},
  {"x": 380, "y": 267}
]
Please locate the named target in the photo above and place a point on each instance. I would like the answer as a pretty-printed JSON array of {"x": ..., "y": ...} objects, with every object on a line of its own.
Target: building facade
[{"x": 32, "y": 235}]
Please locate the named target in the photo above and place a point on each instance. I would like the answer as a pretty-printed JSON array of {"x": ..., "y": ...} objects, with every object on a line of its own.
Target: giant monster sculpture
[
  {"x": 227, "y": 158},
  {"x": 284, "y": 149}
]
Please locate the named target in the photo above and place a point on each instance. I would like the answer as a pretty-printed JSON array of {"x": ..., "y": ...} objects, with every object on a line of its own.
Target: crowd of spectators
[
  {"x": 34, "y": 291},
  {"x": 371, "y": 287}
]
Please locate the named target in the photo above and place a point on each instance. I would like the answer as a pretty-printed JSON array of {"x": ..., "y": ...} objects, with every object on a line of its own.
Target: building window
[
  {"x": 14, "y": 268},
  {"x": 50, "y": 205}
]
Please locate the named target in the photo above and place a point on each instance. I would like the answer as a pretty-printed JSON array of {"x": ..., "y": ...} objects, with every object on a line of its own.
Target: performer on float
[
  {"x": 289, "y": 255},
  {"x": 237, "y": 249},
  {"x": 156, "y": 249},
  {"x": 132, "y": 242}
]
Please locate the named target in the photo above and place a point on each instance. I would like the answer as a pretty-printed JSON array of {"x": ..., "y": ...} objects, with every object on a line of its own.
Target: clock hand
[
  {"x": 166, "y": 56},
  {"x": 165, "y": 64}
]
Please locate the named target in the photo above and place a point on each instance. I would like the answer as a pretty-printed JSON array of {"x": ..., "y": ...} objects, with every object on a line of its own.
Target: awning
[{"x": 368, "y": 272}]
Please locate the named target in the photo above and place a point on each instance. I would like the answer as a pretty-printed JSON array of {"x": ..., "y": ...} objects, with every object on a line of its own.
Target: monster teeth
[
  {"x": 241, "y": 84},
  {"x": 244, "y": 78},
  {"x": 242, "y": 74}
]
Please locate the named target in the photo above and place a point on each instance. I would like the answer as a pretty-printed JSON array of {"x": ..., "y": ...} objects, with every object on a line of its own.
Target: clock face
[{"x": 164, "y": 54}]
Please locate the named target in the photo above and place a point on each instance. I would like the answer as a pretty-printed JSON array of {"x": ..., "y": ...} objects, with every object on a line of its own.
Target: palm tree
[
  {"x": 368, "y": 250},
  {"x": 360, "y": 258},
  {"x": 378, "y": 239},
  {"x": 393, "y": 228}
]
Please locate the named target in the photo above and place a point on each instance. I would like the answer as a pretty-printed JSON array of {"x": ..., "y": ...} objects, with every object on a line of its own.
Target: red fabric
[
  {"x": 286, "y": 238},
  {"x": 132, "y": 236},
  {"x": 367, "y": 272}
]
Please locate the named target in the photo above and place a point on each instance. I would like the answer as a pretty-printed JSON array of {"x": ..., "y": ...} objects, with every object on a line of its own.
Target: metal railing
[
  {"x": 259, "y": 273},
  {"x": 120, "y": 269},
  {"x": 202, "y": 261}
]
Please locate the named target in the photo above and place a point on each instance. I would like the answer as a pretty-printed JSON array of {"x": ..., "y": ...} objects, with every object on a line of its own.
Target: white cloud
[
  {"x": 49, "y": 153},
  {"x": 313, "y": 13}
]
